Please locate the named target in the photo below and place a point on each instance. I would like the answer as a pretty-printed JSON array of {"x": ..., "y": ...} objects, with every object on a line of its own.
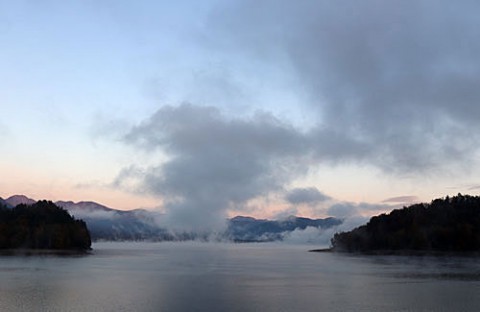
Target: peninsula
[
  {"x": 450, "y": 224},
  {"x": 42, "y": 225}
]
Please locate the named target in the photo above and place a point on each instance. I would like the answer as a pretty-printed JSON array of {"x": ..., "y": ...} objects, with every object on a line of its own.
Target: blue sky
[{"x": 179, "y": 105}]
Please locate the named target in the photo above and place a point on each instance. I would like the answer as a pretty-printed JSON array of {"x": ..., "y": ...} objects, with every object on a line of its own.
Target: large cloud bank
[{"x": 389, "y": 84}]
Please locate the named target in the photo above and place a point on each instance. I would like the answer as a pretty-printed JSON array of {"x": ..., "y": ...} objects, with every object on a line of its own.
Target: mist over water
[{"x": 235, "y": 277}]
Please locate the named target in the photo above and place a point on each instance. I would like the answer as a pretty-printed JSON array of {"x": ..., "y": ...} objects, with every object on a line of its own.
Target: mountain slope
[
  {"x": 3, "y": 202},
  {"x": 19, "y": 199},
  {"x": 247, "y": 229},
  {"x": 111, "y": 224},
  {"x": 105, "y": 223}
]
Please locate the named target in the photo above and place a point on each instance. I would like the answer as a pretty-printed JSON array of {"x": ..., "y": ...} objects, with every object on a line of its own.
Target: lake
[{"x": 235, "y": 277}]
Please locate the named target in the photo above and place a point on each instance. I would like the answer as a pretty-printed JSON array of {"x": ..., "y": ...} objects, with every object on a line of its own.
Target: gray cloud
[
  {"x": 396, "y": 81},
  {"x": 401, "y": 199},
  {"x": 345, "y": 210},
  {"x": 210, "y": 163},
  {"x": 128, "y": 177},
  {"x": 308, "y": 195},
  {"x": 213, "y": 162},
  {"x": 391, "y": 84}
]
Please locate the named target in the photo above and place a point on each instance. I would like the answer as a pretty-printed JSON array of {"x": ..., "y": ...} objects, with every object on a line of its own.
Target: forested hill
[
  {"x": 447, "y": 224},
  {"x": 42, "y": 225}
]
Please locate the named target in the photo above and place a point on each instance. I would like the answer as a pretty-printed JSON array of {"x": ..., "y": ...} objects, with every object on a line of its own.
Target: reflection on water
[{"x": 227, "y": 277}]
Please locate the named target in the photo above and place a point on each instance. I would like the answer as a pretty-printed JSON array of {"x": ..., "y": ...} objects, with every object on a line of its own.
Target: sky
[{"x": 210, "y": 109}]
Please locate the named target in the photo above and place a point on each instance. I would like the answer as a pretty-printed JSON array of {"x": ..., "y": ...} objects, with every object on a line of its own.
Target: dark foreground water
[{"x": 228, "y": 277}]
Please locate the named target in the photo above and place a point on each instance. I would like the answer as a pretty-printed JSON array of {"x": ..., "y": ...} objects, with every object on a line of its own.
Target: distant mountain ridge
[
  {"x": 19, "y": 199},
  {"x": 105, "y": 223},
  {"x": 86, "y": 205},
  {"x": 248, "y": 229}
]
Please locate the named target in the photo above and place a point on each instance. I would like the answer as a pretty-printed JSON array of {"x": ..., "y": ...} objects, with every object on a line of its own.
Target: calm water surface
[{"x": 241, "y": 277}]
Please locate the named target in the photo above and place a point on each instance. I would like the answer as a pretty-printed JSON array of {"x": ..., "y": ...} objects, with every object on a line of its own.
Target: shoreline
[
  {"x": 418, "y": 253},
  {"x": 321, "y": 250},
  {"x": 45, "y": 252}
]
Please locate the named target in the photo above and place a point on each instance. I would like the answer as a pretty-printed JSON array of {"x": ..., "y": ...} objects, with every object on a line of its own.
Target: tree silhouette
[
  {"x": 448, "y": 224},
  {"x": 42, "y": 225}
]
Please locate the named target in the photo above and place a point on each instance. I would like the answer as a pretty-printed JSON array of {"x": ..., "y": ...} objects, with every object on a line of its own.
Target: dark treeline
[
  {"x": 42, "y": 225},
  {"x": 449, "y": 224}
]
